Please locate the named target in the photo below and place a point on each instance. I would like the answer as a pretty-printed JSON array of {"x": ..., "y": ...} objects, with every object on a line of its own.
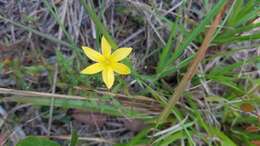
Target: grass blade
[
  {"x": 193, "y": 67},
  {"x": 98, "y": 23},
  {"x": 165, "y": 52},
  {"x": 200, "y": 28}
]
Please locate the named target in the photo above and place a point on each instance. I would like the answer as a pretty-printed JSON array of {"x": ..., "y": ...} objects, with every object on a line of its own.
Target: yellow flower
[{"x": 106, "y": 62}]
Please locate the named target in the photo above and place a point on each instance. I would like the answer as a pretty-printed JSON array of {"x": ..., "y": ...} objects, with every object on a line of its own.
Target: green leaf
[
  {"x": 37, "y": 141},
  {"x": 74, "y": 138}
]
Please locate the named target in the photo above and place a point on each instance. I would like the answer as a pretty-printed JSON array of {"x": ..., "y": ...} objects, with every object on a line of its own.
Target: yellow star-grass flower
[{"x": 106, "y": 62}]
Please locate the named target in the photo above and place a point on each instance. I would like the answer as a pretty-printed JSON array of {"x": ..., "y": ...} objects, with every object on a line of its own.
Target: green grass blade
[
  {"x": 165, "y": 51},
  {"x": 247, "y": 13},
  {"x": 212, "y": 131},
  {"x": 233, "y": 32},
  {"x": 94, "y": 105},
  {"x": 225, "y": 140},
  {"x": 235, "y": 39},
  {"x": 196, "y": 32},
  {"x": 39, "y": 141},
  {"x": 173, "y": 69},
  {"x": 98, "y": 23},
  {"x": 172, "y": 138},
  {"x": 237, "y": 8},
  {"x": 248, "y": 17},
  {"x": 74, "y": 138},
  {"x": 140, "y": 138}
]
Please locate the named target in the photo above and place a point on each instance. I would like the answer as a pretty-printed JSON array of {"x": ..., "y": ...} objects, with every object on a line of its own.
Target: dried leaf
[
  {"x": 134, "y": 125},
  {"x": 2, "y": 139},
  {"x": 252, "y": 129},
  {"x": 256, "y": 142},
  {"x": 2, "y": 47},
  {"x": 247, "y": 107},
  {"x": 90, "y": 118}
]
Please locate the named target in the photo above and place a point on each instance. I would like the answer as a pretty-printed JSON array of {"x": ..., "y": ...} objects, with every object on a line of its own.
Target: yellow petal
[
  {"x": 121, "y": 68},
  {"x": 92, "y": 69},
  {"x": 105, "y": 46},
  {"x": 108, "y": 77},
  {"x": 120, "y": 54},
  {"x": 92, "y": 54}
]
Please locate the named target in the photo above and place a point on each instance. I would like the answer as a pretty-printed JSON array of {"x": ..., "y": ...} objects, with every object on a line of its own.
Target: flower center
[{"x": 107, "y": 61}]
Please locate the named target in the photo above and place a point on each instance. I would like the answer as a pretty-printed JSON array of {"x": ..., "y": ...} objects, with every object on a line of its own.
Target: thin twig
[
  {"x": 55, "y": 75},
  {"x": 38, "y": 94},
  {"x": 52, "y": 99},
  {"x": 192, "y": 68}
]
